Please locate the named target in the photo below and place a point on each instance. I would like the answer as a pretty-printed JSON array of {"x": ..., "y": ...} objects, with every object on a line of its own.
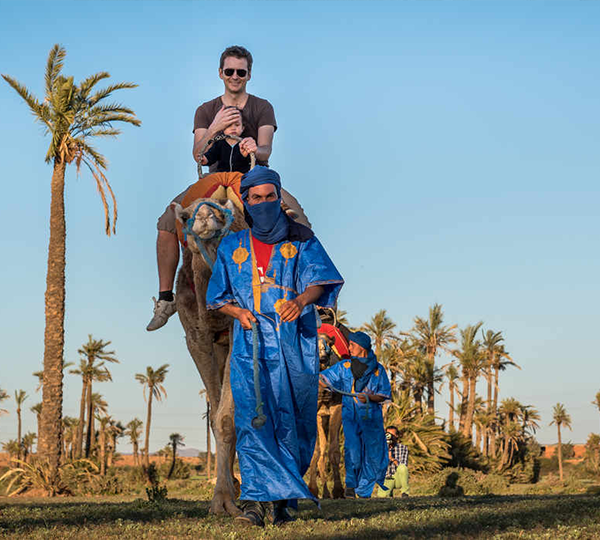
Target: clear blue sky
[{"x": 444, "y": 151}]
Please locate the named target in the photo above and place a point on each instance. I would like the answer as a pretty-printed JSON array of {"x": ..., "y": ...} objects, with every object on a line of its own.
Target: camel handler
[
  {"x": 267, "y": 278},
  {"x": 211, "y": 119},
  {"x": 364, "y": 385}
]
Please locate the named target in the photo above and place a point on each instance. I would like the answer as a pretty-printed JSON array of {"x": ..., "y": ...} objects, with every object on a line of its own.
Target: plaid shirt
[{"x": 400, "y": 454}]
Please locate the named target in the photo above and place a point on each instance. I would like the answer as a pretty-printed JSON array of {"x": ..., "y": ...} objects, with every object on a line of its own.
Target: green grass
[{"x": 548, "y": 516}]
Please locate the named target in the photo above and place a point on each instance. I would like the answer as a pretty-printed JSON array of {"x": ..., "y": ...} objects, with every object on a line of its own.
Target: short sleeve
[
  {"x": 219, "y": 291},
  {"x": 266, "y": 115},
  {"x": 206, "y": 113},
  {"x": 333, "y": 376},
  {"x": 316, "y": 268}
]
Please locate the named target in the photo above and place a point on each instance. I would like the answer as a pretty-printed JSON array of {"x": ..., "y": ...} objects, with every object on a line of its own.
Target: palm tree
[
  {"x": 37, "y": 409},
  {"x": 3, "y": 396},
  {"x": 380, "y": 329},
  {"x": 472, "y": 362},
  {"x": 596, "y": 401},
  {"x": 103, "y": 421},
  {"x": 20, "y": 397},
  {"x": 208, "y": 441},
  {"x": 70, "y": 436},
  {"x": 152, "y": 381},
  {"x": 115, "y": 430},
  {"x": 431, "y": 336},
  {"x": 99, "y": 406},
  {"x": 560, "y": 418},
  {"x": 175, "y": 440},
  {"x": 133, "y": 432},
  {"x": 27, "y": 444},
  {"x": 73, "y": 116},
  {"x": 91, "y": 368}
]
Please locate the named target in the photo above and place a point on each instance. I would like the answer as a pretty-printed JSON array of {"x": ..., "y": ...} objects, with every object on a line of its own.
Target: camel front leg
[
  {"x": 322, "y": 424},
  {"x": 335, "y": 426},
  {"x": 313, "y": 487},
  {"x": 225, "y": 489}
]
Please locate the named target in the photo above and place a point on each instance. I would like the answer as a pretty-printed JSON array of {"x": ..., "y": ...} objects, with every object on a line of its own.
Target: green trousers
[{"x": 398, "y": 482}]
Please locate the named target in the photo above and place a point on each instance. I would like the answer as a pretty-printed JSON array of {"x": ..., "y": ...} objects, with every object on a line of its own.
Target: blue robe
[
  {"x": 274, "y": 458},
  {"x": 365, "y": 452}
]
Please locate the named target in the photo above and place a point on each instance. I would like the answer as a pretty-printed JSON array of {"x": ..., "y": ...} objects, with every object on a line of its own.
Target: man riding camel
[
  {"x": 268, "y": 279},
  {"x": 211, "y": 118}
]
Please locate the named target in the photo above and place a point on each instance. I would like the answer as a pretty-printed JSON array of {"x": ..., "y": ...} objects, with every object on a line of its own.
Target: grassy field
[{"x": 548, "y": 516}]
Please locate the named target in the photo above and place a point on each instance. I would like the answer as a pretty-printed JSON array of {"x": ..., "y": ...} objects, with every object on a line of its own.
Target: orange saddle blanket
[{"x": 220, "y": 185}]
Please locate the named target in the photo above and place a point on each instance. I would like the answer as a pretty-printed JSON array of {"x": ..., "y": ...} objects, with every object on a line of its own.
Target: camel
[
  {"x": 207, "y": 336},
  {"x": 207, "y": 332},
  {"x": 329, "y": 424}
]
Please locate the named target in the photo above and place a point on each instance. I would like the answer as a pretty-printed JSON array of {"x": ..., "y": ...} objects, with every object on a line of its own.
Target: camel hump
[{"x": 220, "y": 185}]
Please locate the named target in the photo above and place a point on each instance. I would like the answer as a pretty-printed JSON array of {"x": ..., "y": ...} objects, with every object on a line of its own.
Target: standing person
[
  {"x": 396, "y": 477},
  {"x": 212, "y": 118},
  {"x": 365, "y": 452},
  {"x": 270, "y": 275}
]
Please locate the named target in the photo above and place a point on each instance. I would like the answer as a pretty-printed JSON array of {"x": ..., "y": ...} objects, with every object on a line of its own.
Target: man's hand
[
  {"x": 224, "y": 118},
  {"x": 246, "y": 317},
  {"x": 291, "y": 310},
  {"x": 247, "y": 146},
  {"x": 362, "y": 397}
]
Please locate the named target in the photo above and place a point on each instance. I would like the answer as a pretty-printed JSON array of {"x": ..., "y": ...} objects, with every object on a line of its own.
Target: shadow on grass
[
  {"x": 464, "y": 517},
  {"x": 16, "y": 516}
]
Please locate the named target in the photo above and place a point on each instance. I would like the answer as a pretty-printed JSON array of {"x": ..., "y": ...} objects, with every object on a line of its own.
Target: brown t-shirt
[{"x": 257, "y": 112}]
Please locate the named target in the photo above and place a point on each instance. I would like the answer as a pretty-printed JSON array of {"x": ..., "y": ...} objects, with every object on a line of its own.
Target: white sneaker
[{"x": 162, "y": 311}]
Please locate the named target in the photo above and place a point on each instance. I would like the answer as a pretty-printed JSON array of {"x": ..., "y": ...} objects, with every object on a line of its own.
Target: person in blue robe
[
  {"x": 279, "y": 299},
  {"x": 365, "y": 379}
]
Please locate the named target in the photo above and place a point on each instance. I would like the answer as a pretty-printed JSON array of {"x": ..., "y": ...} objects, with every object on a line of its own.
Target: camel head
[
  {"x": 210, "y": 217},
  {"x": 326, "y": 355}
]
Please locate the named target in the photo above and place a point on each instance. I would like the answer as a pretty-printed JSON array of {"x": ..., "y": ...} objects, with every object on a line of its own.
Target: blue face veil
[{"x": 267, "y": 220}]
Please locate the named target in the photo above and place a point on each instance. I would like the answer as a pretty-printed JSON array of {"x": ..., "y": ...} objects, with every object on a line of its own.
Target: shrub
[
  {"x": 472, "y": 482},
  {"x": 182, "y": 470}
]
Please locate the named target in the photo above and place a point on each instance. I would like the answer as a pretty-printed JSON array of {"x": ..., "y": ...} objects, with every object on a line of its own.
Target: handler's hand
[
  {"x": 362, "y": 397},
  {"x": 247, "y": 146},
  {"x": 245, "y": 317},
  {"x": 224, "y": 118},
  {"x": 291, "y": 310}
]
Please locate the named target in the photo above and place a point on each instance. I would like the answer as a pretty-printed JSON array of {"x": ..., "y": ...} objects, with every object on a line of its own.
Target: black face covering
[{"x": 358, "y": 368}]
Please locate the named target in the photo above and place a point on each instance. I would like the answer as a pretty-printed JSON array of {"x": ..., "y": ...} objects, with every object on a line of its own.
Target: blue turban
[
  {"x": 267, "y": 220},
  {"x": 257, "y": 177},
  {"x": 362, "y": 339}
]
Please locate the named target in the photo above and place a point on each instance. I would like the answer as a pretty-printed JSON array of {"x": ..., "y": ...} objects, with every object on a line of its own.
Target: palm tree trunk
[
  {"x": 463, "y": 404},
  {"x": 431, "y": 387},
  {"x": 468, "y": 427},
  {"x": 54, "y": 333},
  {"x": 172, "y": 468},
  {"x": 136, "y": 458},
  {"x": 451, "y": 411},
  {"x": 102, "y": 452},
  {"x": 19, "y": 438},
  {"x": 486, "y": 440},
  {"x": 39, "y": 420},
  {"x": 148, "y": 419},
  {"x": 79, "y": 437},
  {"x": 90, "y": 421},
  {"x": 560, "y": 464}
]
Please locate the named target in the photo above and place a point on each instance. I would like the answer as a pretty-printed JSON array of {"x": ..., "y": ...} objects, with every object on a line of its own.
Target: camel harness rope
[
  {"x": 188, "y": 228},
  {"x": 259, "y": 420}
]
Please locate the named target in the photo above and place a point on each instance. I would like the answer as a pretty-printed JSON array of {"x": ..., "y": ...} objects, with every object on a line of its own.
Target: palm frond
[
  {"x": 35, "y": 106},
  {"x": 54, "y": 66},
  {"x": 105, "y": 92},
  {"x": 88, "y": 83}
]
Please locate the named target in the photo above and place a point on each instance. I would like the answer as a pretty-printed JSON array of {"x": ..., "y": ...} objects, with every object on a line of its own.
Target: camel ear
[
  {"x": 229, "y": 205},
  {"x": 180, "y": 214}
]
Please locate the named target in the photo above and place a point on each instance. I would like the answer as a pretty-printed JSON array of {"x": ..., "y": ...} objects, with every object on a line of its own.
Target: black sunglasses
[{"x": 240, "y": 72}]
